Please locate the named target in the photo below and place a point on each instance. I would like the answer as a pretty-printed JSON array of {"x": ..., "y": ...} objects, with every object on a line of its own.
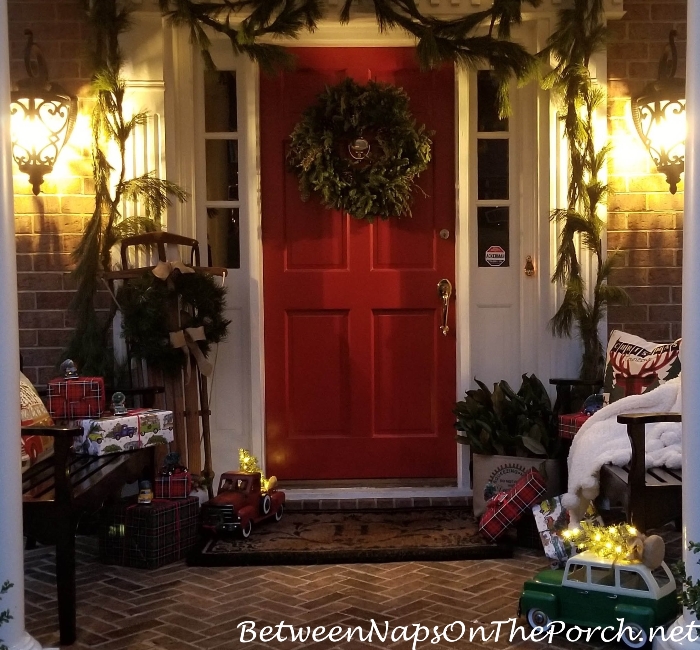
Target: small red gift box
[
  {"x": 174, "y": 486},
  {"x": 506, "y": 508},
  {"x": 81, "y": 397},
  {"x": 570, "y": 424}
]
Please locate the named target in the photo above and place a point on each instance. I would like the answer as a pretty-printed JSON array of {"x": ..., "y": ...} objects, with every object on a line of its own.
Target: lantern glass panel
[
  {"x": 664, "y": 128},
  {"x": 38, "y": 129}
]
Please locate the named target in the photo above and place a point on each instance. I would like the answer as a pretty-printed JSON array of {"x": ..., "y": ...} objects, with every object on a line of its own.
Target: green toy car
[{"x": 594, "y": 592}]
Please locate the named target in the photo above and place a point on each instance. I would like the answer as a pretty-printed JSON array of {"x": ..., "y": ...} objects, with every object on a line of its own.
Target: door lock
[{"x": 529, "y": 266}]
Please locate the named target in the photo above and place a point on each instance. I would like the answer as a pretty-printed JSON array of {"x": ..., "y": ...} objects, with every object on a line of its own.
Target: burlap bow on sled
[{"x": 186, "y": 339}]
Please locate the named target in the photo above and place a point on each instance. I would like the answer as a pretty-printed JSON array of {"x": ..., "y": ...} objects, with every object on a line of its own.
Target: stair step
[{"x": 303, "y": 502}]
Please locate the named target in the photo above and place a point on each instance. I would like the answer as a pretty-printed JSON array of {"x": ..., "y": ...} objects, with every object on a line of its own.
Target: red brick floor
[{"x": 182, "y": 608}]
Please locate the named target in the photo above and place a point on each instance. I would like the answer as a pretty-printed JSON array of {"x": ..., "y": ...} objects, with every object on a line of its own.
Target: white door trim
[{"x": 548, "y": 175}]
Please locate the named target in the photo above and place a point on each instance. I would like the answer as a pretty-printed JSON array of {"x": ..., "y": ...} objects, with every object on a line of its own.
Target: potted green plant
[
  {"x": 509, "y": 432},
  {"x": 5, "y": 615}
]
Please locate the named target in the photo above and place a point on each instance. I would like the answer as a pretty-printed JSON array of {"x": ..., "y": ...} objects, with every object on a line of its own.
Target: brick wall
[
  {"x": 49, "y": 226},
  {"x": 644, "y": 220}
]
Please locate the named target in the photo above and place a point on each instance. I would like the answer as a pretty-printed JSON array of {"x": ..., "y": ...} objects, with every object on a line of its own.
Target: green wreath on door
[{"x": 359, "y": 150}]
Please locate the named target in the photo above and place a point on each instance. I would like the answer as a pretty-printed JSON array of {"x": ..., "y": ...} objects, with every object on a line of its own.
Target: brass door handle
[{"x": 444, "y": 292}]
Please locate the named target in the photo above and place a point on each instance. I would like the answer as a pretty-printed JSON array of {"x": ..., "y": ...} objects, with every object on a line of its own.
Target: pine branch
[
  {"x": 89, "y": 346},
  {"x": 438, "y": 40},
  {"x": 154, "y": 192},
  {"x": 580, "y": 33},
  {"x": 5, "y": 615}
]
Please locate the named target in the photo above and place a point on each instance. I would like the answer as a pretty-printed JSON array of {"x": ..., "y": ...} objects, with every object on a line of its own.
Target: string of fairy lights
[{"x": 618, "y": 542}]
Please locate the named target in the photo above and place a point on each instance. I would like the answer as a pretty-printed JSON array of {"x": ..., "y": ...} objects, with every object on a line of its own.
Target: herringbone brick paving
[{"x": 186, "y": 608}]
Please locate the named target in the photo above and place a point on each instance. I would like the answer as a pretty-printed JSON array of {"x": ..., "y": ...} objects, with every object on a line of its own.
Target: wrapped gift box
[
  {"x": 570, "y": 424},
  {"x": 174, "y": 486},
  {"x": 552, "y": 518},
  {"x": 506, "y": 508},
  {"x": 148, "y": 536},
  {"x": 80, "y": 397},
  {"x": 138, "y": 428}
]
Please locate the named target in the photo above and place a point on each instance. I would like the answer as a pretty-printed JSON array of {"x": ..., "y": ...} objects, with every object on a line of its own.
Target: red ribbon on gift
[{"x": 506, "y": 508}]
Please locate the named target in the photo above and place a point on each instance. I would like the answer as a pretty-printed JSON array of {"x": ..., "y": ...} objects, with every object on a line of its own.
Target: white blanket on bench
[{"x": 603, "y": 440}]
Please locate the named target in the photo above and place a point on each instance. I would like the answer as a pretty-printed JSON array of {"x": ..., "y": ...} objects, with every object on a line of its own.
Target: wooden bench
[
  {"x": 60, "y": 487},
  {"x": 649, "y": 498}
]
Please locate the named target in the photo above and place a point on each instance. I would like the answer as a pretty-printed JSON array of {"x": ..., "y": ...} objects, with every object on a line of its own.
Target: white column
[
  {"x": 691, "y": 322},
  {"x": 13, "y": 634}
]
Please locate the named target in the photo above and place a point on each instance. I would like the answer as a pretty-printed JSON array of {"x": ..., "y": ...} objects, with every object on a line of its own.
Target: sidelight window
[
  {"x": 493, "y": 175},
  {"x": 222, "y": 172}
]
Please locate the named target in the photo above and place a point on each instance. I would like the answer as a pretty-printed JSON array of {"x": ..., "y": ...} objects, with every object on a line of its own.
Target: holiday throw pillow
[
  {"x": 32, "y": 409},
  {"x": 33, "y": 413},
  {"x": 635, "y": 366}
]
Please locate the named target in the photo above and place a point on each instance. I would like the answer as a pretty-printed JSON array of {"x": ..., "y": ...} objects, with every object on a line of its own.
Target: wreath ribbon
[
  {"x": 186, "y": 339},
  {"x": 162, "y": 270}
]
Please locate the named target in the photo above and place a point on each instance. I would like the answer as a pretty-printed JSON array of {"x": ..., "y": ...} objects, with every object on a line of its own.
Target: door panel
[
  {"x": 359, "y": 382},
  {"x": 314, "y": 238},
  {"x": 319, "y": 401},
  {"x": 404, "y": 383}
]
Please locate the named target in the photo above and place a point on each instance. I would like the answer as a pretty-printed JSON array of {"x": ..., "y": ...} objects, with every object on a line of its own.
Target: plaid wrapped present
[
  {"x": 570, "y": 424},
  {"x": 174, "y": 486},
  {"x": 81, "y": 397},
  {"x": 148, "y": 536},
  {"x": 506, "y": 508}
]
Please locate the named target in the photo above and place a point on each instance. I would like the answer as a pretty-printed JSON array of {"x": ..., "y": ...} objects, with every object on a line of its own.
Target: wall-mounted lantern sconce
[
  {"x": 659, "y": 116},
  {"x": 42, "y": 115}
]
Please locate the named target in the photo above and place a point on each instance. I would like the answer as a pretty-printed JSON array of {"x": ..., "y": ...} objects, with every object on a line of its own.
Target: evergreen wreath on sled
[
  {"x": 144, "y": 304},
  {"x": 359, "y": 149}
]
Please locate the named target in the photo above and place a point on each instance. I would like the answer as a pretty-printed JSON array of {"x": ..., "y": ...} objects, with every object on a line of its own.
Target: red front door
[{"x": 359, "y": 381}]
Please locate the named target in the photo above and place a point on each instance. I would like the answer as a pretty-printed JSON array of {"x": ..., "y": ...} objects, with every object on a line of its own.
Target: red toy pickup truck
[{"x": 240, "y": 503}]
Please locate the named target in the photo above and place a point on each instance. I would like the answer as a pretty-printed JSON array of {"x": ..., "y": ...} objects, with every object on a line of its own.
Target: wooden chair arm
[
  {"x": 648, "y": 418},
  {"x": 142, "y": 390},
  {"x": 53, "y": 432},
  {"x": 147, "y": 393},
  {"x": 565, "y": 393},
  {"x": 576, "y": 382},
  {"x": 636, "y": 430}
]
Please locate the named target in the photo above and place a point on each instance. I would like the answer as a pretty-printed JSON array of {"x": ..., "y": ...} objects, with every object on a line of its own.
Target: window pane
[
  {"x": 492, "y": 163},
  {"x": 577, "y": 573},
  {"x": 493, "y": 236},
  {"x": 220, "y": 102},
  {"x": 223, "y": 237},
  {"x": 632, "y": 580},
  {"x": 222, "y": 170},
  {"x": 604, "y": 576},
  {"x": 661, "y": 577},
  {"x": 487, "y": 103}
]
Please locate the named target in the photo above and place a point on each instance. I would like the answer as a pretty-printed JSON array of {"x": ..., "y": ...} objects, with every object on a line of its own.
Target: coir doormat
[{"x": 347, "y": 537}]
